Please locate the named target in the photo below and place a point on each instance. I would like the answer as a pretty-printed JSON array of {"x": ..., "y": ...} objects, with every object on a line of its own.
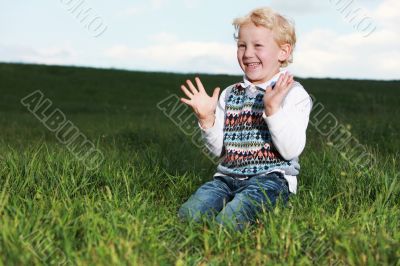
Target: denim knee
[
  {"x": 208, "y": 200},
  {"x": 237, "y": 213},
  {"x": 189, "y": 212}
]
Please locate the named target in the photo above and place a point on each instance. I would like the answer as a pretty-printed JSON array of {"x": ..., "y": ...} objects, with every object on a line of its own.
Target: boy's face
[{"x": 258, "y": 53}]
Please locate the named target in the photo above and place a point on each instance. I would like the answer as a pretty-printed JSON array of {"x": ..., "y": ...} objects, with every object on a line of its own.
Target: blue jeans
[{"x": 235, "y": 202}]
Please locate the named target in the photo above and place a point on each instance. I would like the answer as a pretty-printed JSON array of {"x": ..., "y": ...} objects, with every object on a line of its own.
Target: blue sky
[{"x": 197, "y": 36}]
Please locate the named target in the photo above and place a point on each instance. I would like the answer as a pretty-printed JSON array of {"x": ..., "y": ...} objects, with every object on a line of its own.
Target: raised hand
[
  {"x": 203, "y": 105},
  {"x": 273, "y": 97}
]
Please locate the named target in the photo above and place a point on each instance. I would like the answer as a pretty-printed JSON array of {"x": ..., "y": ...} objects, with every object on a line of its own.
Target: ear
[{"x": 284, "y": 53}]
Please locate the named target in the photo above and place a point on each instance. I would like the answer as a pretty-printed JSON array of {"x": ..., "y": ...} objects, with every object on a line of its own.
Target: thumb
[{"x": 216, "y": 93}]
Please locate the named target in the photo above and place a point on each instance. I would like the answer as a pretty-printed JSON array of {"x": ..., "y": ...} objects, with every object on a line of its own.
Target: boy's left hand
[{"x": 273, "y": 97}]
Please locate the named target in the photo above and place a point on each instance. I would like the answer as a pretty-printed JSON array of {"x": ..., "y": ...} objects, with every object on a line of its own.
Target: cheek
[
  {"x": 239, "y": 55},
  {"x": 266, "y": 57}
]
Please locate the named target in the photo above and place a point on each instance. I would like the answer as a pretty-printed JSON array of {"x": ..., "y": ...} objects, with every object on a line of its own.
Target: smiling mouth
[{"x": 252, "y": 65}]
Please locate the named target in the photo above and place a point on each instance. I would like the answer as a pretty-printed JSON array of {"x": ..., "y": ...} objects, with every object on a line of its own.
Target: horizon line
[{"x": 182, "y": 73}]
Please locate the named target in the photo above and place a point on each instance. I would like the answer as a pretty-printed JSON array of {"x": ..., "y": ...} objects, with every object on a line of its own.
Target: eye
[
  {"x": 258, "y": 45},
  {"x": 241, "y": 45}
]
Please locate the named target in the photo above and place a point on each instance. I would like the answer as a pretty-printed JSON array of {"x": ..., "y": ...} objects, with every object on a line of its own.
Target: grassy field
[{"x": 54, "y": 210}]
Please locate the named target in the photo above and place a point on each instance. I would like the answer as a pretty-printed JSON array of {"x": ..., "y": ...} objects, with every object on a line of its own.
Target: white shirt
[{"x": 287, "y": 125}]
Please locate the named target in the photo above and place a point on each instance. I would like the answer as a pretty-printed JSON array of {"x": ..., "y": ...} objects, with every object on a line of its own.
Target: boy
[{"x": 258, "y": 126}]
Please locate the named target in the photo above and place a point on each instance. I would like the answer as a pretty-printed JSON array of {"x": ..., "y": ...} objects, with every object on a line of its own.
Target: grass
[{"x": 53, "y": 210}]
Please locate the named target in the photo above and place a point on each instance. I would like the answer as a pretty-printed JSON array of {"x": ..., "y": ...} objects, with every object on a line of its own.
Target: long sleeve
[
  {"x": 213, "y": 136},
  {"x": 288, "y": 125}
]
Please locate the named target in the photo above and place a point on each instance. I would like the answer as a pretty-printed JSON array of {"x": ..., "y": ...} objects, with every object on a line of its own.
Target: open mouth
[{"x": 252, "y": 65}]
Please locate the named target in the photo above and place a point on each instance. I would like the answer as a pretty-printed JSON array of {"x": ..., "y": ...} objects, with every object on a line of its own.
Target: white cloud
[
  {"x": 319, "y": 53},
  {"x": 387, "y": 14},
  {"x": 327, "y": 53},
  {"x": 47, "y": 55},
  {"x": 322, "y": 53},
  {"x": 170, "y": 54}
]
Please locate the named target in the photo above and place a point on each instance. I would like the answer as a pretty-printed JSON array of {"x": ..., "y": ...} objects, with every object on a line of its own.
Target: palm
[
  {"x": 273, "y": 98},
  {"x": 202, "y": 104}
]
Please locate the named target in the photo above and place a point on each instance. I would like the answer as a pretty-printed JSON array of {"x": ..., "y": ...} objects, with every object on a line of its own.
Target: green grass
[{"x": 54, "y": 210}]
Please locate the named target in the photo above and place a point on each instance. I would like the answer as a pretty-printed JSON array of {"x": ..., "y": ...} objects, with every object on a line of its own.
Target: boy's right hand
[{"x": 203, "y": 105}]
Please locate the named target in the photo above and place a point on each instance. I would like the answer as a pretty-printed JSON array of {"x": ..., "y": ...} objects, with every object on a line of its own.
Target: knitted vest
[{"x": 248, "y": 145}]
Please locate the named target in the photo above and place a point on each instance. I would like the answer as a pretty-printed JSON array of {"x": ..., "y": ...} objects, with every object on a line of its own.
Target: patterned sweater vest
[{"x": 247, "y": 141}]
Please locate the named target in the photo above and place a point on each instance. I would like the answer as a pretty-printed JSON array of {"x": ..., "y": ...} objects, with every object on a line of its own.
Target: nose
[{"x": 248, "y": 52}]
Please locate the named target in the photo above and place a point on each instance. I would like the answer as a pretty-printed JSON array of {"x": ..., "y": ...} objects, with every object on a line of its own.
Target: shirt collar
[{"x": 263, "y": 86}]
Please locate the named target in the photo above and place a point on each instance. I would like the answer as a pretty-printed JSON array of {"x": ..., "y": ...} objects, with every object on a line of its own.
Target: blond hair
[{"x": 283, "y": 29}]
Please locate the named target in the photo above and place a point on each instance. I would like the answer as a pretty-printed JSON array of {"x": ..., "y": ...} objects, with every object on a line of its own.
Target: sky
[{"x": 336, "y": 38}]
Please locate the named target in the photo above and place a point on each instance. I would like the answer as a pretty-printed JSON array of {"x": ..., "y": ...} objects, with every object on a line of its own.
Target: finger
[
  {"x": 186, "y": 101},
  {"x": 284, "y": 81},
  {"x": 280, "y": 79},
  {"x": 289, "y": 80},
  {"x": 186, "y": 91},
  {"x": 268, "y": 93},
  {"x": 285, "y": 78},
  {"x": 216, "y": 94},
  {"x": 199, "y": 84},
  {"x": 289, "y": 83},
  {"x": 192, "y": 87}
]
